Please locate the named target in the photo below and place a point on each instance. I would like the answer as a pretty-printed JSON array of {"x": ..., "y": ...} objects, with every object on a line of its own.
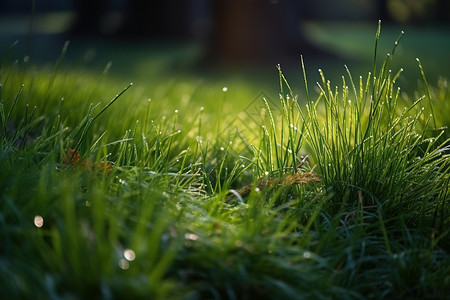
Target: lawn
[{"x": 217, "y": 186}]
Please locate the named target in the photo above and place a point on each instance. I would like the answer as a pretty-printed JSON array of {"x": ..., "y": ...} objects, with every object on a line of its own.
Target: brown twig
[{"x": 285, "y": 181}]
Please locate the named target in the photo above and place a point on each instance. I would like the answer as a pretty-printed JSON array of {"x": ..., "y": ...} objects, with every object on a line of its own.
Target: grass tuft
[{"x": 342, "y": 194}]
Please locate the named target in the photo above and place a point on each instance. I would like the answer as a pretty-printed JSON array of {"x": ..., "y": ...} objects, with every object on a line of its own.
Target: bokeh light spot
[
  {"x": 129, "y": 254},
  {"x": 123, "y": 264},
  {"x": 38, "y": 221},
  {"x": 191, "y": 236}
]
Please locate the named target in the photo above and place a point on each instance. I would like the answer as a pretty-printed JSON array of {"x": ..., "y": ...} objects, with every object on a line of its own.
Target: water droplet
[
  {"x": 38, "y": 221},
  {"x": 257, "y": 190},
  {"x": 176, "y": 111},
  {"x": 129, "y": 254},
  {"x": 123, "y": 264},
  {"x": 191, "y": 236},
  {"x": 225, "y": 89},
  {"x": 202, "y": 108},
  {"x": 222, "y": 148},
  {"x": 307, "y": 254},
  {"x": 266, "y": 173}
]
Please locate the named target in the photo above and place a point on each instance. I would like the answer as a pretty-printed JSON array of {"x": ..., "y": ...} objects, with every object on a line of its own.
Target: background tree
[
  {"x": 161, "y": 19},
  {"x": 254, "y": 30},
  {"x": 443, "y": 11},
  {"x": 383, "y": 11},
  {"x": 89, "y": 16}
]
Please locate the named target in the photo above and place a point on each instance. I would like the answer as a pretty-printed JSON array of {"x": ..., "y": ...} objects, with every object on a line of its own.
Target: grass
[{"x": 120, "y": 197}]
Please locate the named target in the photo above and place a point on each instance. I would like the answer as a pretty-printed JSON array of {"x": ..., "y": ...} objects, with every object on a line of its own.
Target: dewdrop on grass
[
  {"x": 129, "y": 254},
  {"x": 123, "y": 264},
  {"x": 191, "y": 236},
  {"x": 38, "y": 221}
]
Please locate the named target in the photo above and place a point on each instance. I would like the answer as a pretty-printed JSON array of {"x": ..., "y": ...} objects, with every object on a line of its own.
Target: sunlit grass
[{"x": 109, "y": 192}]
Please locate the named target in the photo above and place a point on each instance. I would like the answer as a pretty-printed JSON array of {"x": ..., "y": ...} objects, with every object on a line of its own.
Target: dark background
[{"x": 149, "y": 38}]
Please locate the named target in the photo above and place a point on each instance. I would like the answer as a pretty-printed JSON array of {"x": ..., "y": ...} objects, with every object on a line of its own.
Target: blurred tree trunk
[
  {"x": 89, "y": 16},
  {"x": 161, "y": 19},
  {"x": 383, "y": 12},
  {"x": 141, "y": 18},
  {"x": 443, "y": 11},
  {"x": 258, "y": 30}
]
